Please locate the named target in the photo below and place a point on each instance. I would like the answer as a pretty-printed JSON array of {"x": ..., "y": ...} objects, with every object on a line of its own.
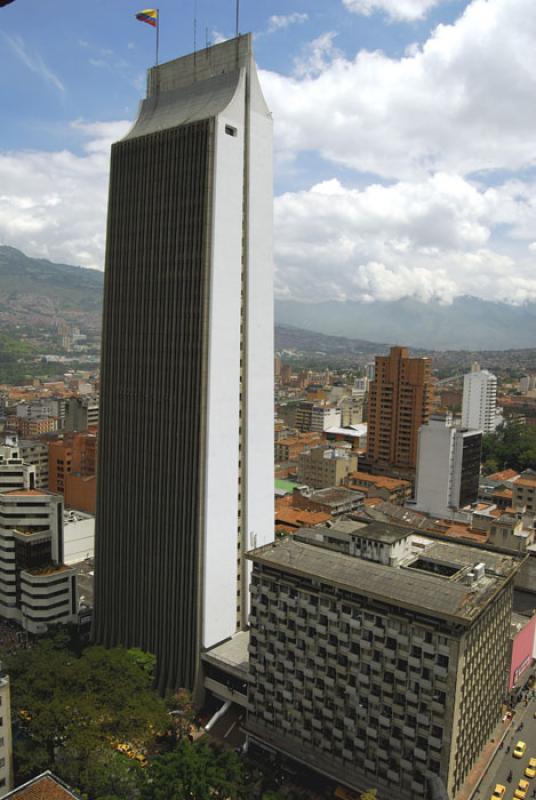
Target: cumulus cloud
[
  {"x": 33, "y": 61},
  {"x": 400, "y": 10},
  {"x": 279, "y": 21},
  {"x": 53, "y": 205},
  {"x": 429, "y": 239},
  {"x": 461, "y": 102}
]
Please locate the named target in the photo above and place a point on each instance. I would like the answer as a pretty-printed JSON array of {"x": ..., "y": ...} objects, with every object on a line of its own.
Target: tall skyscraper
[
  {"x": 448, "y": 467},
  {"x": 479, "y": 403},
  {"x": 186, "y": 441},
  {"x": 400, "y": 401}
]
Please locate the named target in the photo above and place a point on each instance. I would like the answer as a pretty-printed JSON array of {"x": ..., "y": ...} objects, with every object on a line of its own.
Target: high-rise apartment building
[
  {"x": 400, "y": 401},
  {"x": 81, "y": 413},
  {"x": 36, "y": 588},
  {"x": 188, "y": 335},
  {"x": 377, "y": 662},
  {"x": 448, "y": 467},
  {"x": 479, "y": 403}
]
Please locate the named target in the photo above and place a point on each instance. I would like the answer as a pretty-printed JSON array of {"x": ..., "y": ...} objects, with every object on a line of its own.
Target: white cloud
[
  {"x": 429, "y": 239},
  {"x": 33, "y": 61},
  {"x": 53, "y": 205},
  {"x": 461, "y": 102},
  {"x": 317, "y": 57},
  {"x": 405, "y": 10},
  {"x": 279, "y": 21}
]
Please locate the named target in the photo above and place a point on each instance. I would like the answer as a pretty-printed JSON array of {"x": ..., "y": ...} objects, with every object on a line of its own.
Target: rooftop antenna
[
  {"x": 195, "y": 30},
  {"x": 238, "y": 17}
]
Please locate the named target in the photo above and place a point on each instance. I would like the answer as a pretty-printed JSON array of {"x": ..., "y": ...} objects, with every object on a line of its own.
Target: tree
[
  {"x": 194, "y": 771},
  {"x": 370, "y": 794},
  {"x": 70, "y": 710}
]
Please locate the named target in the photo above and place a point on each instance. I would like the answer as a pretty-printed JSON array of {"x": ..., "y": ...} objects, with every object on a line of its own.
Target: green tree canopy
[
  {"x": 193, "y": 771},
  {"x": 71, "y": 709},
  {"x": 512, "y": 446}
]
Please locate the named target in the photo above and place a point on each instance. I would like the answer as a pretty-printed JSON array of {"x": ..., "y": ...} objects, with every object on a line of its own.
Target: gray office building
[
  {"x": 185, "y": 475},
  {"x": 377, "y": 660}
]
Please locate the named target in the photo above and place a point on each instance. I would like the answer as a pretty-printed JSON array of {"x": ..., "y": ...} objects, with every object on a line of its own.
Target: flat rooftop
[
  {"x": 384, "y": 532},
  {"x": 334, "y": 495},
  {"x": 424, "y": 592},
  {"x": 231, "y": 655}
]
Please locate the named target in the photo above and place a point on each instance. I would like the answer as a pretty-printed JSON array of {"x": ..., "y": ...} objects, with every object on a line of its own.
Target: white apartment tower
[
  {"x": 36, "y": 588},
  {"x": 448, "y": 467},
  {"x": 188, "y": 335},
  {"x": 479, "y": 404}
]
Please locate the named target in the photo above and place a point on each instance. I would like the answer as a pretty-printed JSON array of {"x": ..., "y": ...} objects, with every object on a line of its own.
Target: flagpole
[
  {"x": 157, "y": 33},
  {"x": 237, "y": 17}
]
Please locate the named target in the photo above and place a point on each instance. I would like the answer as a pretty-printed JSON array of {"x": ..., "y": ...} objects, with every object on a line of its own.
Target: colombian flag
[
  {"x": 5, "y": 2},
  {"x": 150, "y": 16}
]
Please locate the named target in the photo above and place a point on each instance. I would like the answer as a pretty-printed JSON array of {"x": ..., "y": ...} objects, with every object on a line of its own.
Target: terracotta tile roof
[
  {"x": 372, "y": 501},
  {"x": 298, "y": 517},
  {"x": 380, "y": 481},
  {"x": 505, "y": 475},
  {"x": 44, "y": 787},
  {"x": 503, "y": 493},
  {"x": 529, "y": 483},
  {"x": 26, "y": 492}
]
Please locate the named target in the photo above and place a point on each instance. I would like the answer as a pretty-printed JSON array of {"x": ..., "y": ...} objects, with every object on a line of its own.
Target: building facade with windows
[
  {"x": 479, "y": 403},
  {"x": 36, "y": 588},
  {"x": 377, "y": 663},
  {"x": 188, "y": 335},
  {"x": 400, "y": 401},
  {"x": 448, "y": 467}
]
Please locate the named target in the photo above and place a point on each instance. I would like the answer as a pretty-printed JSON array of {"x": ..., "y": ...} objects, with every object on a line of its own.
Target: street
[{"x": 504, "y": 761}]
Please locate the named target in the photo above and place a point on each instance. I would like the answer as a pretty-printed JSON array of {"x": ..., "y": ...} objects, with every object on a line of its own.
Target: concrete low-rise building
[
  {"x": 321, "y": 467},
  {"x": 379, "y": 674},
  {"x": 334, "y": 500}
]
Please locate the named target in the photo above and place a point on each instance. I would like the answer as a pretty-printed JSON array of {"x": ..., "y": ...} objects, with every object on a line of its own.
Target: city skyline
[{"x": 422, "y": 188}]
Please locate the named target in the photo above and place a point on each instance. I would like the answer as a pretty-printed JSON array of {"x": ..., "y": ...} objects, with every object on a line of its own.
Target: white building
[
  {"x": 36, "y": 588},
  {"x": 78, "y": 536},
  {"x": 448, "y": 467},
  {"x": 188, "y": 335},
  {"x": 479, "y": 404},
  {"x": 324, "y": 417}
]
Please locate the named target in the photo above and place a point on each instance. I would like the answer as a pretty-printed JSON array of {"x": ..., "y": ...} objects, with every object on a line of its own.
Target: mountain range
[
  {"x": 35, "y": 291},
  {"x": 468, "y": 323}
]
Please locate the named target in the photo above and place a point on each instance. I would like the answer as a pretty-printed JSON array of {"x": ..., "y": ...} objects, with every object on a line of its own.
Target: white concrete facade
[
  {"x": 78, "y": 537},
  {"x": 479, "y": 401},
  {"x": 239, "y": 464},
  {"x": 36, "y": 589},
  {"x": 439, "y": 467}
]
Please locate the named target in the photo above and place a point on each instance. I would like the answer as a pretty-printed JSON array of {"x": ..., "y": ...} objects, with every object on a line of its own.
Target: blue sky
[{"x": 405, "y": 135}]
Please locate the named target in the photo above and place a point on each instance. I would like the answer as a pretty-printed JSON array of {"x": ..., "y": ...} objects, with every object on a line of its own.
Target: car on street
[
  {"x": 519, "y": 750},
  {"x": 498, "y": 792},
  {"x": 530, "y": 771},
  {"x": 522, "y": 789}
]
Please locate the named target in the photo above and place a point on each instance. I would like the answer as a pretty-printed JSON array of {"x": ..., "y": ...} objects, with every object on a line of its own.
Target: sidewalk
[
  {"x": 486, "y": 757},
  {"x": 478, "y": 773}
]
